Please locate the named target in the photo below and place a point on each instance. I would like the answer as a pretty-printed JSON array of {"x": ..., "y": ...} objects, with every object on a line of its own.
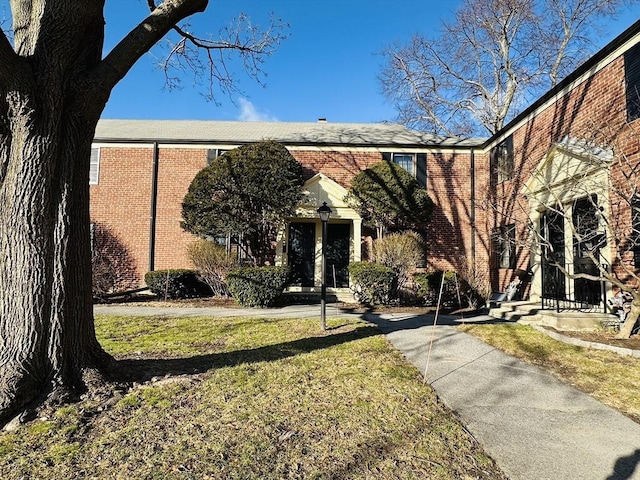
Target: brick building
[{"x": 570, "y": 160}]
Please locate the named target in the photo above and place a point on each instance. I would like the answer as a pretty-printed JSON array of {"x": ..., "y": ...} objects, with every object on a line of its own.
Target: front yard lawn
[{"x": 242, "y": 398}]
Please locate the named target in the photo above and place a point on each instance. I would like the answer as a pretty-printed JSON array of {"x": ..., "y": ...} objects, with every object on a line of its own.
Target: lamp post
[{"x": 324, "y": 212}]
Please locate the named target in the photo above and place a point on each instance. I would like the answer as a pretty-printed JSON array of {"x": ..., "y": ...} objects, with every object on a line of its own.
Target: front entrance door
[
  {"x": 553, "y": 255},
  {"x": 587, "y": 242},
  {"x": 301, "y": 257},
  {"x": 338, "y": 239}
]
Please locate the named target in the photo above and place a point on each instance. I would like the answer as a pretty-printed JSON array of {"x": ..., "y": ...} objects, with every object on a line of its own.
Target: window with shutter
[
  {"x": 94, "y": 166},
  {"x": 214, "y": 153},
  {"x": 414, "y": 163},
  {"x": 404, "y": 160},
  {"x": 632, "y": 79}
]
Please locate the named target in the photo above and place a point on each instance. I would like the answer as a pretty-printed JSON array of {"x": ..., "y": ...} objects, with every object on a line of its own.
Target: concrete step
[{"x": 532, "y": 313}]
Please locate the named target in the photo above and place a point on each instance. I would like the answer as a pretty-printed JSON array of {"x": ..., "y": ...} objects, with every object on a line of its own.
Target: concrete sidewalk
[
  {"x": 534, "y": 426},
  {"x": 289, "y": 311}
]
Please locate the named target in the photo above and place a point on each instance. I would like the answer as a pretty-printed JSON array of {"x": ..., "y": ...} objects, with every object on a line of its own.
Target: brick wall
[
  {"x": 594, "y": 111},
  {"x": 122, "y": 198}
]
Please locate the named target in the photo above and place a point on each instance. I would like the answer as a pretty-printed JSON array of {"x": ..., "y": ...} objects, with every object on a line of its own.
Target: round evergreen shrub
[
  {"x": 258, "y": 286},
  {"x": 372, "y": 283}
]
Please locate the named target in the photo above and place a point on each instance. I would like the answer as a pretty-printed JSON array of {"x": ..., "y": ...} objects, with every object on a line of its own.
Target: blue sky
[{"x": 327, "y": 67}]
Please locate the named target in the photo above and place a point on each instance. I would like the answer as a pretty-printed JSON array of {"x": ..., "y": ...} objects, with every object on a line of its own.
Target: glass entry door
[
  {"x": 301, "y": 256},
  {"x": 553, "y": 255},
  {"x": 587, "y": 242},
  {"x": 338, "y": 240}
]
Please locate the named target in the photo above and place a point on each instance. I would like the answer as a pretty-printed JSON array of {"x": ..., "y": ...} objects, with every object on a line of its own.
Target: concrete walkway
[
  {"x": 290, "y": 311},
  {"x": 534, "y": 426}
]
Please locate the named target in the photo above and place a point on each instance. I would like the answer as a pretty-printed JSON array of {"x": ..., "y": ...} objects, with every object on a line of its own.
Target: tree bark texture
[{"x": 54, "y": 85}]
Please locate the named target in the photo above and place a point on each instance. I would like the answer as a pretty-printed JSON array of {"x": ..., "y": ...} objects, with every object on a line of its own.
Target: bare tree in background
[
  {"x": 54, "y": 84},
  {"x": 490, "y": 61}
]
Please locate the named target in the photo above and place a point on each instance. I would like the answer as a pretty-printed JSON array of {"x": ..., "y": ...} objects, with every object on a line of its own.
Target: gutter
[
  {"x": 473, "y": 207},
  {"x": 153, "y": 208}
]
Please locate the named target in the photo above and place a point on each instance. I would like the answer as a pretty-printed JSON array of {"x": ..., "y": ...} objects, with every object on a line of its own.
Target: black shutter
[
  {"x": 421, "y": 169},
  {"x": 632, "y": 77},
  {"x": 509, "y": 167},
  {"x": 493, "y": 166},
  {"x": 388, "y": 156}
]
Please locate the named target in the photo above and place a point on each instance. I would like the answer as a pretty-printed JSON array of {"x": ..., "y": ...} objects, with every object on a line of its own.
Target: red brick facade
[
  {"x": 122, "y": 199},
  {"x": 590, "y": 106}
]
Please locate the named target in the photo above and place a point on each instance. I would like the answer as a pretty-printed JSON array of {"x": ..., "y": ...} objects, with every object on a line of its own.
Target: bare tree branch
[
  {"x": 144, "y": 36},
  {"x": 209, "y": 59},
  {"x": 488, "y": 62}
]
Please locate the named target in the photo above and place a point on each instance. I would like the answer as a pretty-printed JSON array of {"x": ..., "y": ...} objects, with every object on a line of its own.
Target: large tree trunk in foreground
[
  {"x": 47, "y": 337},
  {"x": 54, "y": 85},
  {"x": 46, "y": 308},
  {"x": 46, "y": 319}
]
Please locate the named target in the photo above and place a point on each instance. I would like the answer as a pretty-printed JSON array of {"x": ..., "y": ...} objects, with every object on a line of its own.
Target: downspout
[
  {"x": 154, "y": 207},
  {"x": 473, "y": 208}
]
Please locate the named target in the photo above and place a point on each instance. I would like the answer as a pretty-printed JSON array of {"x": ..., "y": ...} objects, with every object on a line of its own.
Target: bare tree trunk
[
  {"x": 54, "y": 84},
  {"x": 47, "y": 331}
]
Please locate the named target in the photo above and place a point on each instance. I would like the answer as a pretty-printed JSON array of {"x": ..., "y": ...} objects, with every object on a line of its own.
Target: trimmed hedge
[
  {"x": 372, "y": 283},
  {"x": 258, "y": 286},
  {"x": 176, "y": 283}
]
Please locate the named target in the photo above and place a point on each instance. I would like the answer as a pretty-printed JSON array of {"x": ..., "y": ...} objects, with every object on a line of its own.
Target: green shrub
[
  {"x": 390, "y": 198},
  {"x": 176, "y": 283},
  {"x": 372, "y": 283},
  {"x": 428, "y": 288},
  {"x": 213, "y": 265},
  {"x": 258, "y": 286}
]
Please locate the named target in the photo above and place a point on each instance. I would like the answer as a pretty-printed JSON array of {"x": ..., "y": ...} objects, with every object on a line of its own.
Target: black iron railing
[{"x": 588, "y": 296}]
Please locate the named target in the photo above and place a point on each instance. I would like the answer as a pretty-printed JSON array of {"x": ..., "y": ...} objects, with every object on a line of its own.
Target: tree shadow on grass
[{"x": 142, "y": 370}]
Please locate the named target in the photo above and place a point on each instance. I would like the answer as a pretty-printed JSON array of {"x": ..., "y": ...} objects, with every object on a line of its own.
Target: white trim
[{"x": 429, "y": 149}]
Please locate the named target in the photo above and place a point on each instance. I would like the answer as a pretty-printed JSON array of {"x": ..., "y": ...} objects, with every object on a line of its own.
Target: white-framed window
[
  {"x": 502, "y": 161},
  {"x": 406, "y": 161},
  {"x": 414, "y": 163},
  {"x": 94, "y": 166},
  {"x": 214, "y": 153}
]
